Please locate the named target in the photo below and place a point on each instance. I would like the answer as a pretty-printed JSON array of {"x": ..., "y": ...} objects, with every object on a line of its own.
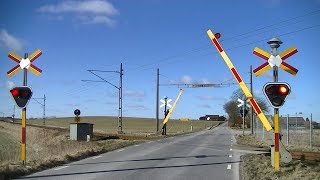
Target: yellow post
[
  {"x": 276, "y": 140},
  {"x": 23, "y": 136}
]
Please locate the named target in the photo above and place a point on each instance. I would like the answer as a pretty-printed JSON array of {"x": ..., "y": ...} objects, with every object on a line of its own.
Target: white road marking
[
  {"x": 58, "y": 168},
  {"x": 229, "y": 166},
  {"x": 120, "y": 150},
  {"x": 230, "y": 155},
  {"x": 231, "y": 145},
  {"x": 149, "y": 142},
  {"x": 96, "y": 157},
  {"x": 230, "y": 149},
  {"x": 136, "y": 145}
]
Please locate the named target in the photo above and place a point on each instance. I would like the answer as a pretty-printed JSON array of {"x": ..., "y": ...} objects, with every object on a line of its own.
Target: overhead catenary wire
[{"x": 207, "y": 47}]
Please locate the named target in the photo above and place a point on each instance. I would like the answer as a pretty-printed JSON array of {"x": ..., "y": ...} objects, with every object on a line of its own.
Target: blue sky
[{"x": 75, "y": 36}]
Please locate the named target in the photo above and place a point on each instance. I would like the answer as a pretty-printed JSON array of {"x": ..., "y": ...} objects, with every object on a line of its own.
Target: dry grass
[
  {"x": 259, "y": 166},
  {"x": 130, "y": 125},
  {"x": 50, "y": 147}
]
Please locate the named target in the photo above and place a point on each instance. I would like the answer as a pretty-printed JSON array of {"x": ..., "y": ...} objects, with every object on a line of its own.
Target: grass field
[{"x": 130, "y": 125}]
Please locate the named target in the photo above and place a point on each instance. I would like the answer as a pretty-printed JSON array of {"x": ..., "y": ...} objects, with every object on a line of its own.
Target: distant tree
[
  {"x": 238, "y": 94},
  {"x": 232, "y": 109}
]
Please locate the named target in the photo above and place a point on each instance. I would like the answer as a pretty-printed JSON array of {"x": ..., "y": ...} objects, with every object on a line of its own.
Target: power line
[
  {"x": 229, "y": 49},
  {"x": 207, "y": 47}
]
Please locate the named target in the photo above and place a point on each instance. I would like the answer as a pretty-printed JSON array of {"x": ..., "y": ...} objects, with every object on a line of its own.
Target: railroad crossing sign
[
  {"x": 164, "y": 103},
  {"x": 24, "y": 63},
  {"x": 275, "y": 60},
  {"x": 242, "y": 103}
]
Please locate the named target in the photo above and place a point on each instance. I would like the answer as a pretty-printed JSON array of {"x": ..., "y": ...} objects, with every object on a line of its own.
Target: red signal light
[
  {"x": 217, "y": 35},
  {"x": 15, "y": 92},
  {"x": 277, "y": 93},
  {"x": 283, "y": 90}
]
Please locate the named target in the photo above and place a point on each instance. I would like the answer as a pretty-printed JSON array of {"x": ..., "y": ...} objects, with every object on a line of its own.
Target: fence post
[
  {"x": 311, "y": 132},
  {"x": 287, "y": 129}
]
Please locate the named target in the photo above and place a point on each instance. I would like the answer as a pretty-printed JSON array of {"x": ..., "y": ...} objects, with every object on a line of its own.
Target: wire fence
[{"x": 292, "y": 134}]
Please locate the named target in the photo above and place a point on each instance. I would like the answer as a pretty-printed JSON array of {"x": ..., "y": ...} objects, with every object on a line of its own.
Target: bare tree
[{"x": 232, "y": 110}]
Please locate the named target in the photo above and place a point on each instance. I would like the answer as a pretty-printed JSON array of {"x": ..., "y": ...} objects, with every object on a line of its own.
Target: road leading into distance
[{"x": 207, "y": 154}]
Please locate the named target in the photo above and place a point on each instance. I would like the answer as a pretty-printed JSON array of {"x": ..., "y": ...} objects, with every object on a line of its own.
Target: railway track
[{"x": 300, "y": 155}]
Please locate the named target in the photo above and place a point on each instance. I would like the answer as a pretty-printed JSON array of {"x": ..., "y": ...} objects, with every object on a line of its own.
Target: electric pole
[
  {"x": 119, "y": 89},
  {"x": 157, "y": 101},
  {"x": 251, "y": 112}
]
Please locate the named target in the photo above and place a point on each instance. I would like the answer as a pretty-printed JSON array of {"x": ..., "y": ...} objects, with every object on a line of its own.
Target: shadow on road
[{"x": 129, "y": 169}]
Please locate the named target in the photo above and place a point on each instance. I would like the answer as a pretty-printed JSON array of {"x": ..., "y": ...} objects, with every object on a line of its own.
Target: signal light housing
[
  {"x": 21, "y": 95},
  {"x": 277, "y": 93}
]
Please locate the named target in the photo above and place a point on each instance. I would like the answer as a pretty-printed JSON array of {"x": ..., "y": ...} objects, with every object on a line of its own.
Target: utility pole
[
  {"x": 44, "y": 109},
  {"x": 120, "y": 102},
  {"x": 157, "y": 101},
  {"x": 251, "y": 112},
  {"x": 119, "y": 89}
]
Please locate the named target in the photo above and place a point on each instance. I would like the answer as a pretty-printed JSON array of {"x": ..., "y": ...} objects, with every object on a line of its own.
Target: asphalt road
[{"x": 203, "y": 155}]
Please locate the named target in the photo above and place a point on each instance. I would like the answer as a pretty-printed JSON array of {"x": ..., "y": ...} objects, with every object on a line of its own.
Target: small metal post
[
  {"x": 311, "y": 129},
  {"x": 243, "y": 114}
]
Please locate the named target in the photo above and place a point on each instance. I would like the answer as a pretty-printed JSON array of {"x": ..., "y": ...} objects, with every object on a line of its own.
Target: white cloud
[
  {"x": 88, "y": 12},
  {"x": 207, "y": 106},
  {"x": 186, "y": 79},
  {"x": 209, "y": 98},
  {"x": 97, "y": 20},
  {"x": 10, "y": 84},
  {"x": 205, "y": 81},
  {"x": 137, "y": 107},
  {"x": 8, "y": 41},
  {"x": 134, "y": 93},
  {"x": 258, "y": 92}
]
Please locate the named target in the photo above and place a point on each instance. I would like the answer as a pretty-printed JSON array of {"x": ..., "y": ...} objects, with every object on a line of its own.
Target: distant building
[
  {"x": 212, "y": 118},
  {"x": 294, "y": 122}
]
